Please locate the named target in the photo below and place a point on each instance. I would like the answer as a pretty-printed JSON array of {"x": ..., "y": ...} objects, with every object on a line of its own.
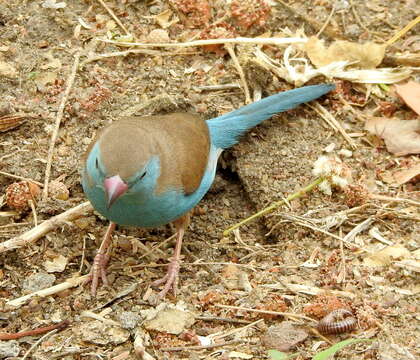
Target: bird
[{"x": 148, "y": 171}]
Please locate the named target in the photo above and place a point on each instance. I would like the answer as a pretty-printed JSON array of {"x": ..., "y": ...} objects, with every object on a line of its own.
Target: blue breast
[{"x": 148, "y": 209}]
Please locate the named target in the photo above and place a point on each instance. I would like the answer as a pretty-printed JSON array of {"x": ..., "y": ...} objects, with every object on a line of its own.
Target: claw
[
  {"x": 100, "y": 263},
  {"x": 170, "y": 279}
]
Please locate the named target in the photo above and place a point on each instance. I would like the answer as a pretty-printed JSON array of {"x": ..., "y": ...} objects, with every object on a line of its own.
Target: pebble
[
  {"x": 9, "y": 348},
  {"x": 99, "y": 333},
  {"x": 38, "y": 281},
  {"x": 129, "y": 319}
]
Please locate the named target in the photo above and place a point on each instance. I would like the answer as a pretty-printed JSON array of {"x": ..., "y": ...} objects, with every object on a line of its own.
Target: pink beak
[{"x": 114, "y": 188}]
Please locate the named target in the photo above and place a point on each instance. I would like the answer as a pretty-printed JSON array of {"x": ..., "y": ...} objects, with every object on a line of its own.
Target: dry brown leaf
[
  {"x": 401, "y": 137},
  {"x": 386, "y": 255},
  {"x": 368, "y": 55},
  {"x": 410, "y": 93},
  {"x": 163, "y": 19},
  {"x": 403, "y": 176}
]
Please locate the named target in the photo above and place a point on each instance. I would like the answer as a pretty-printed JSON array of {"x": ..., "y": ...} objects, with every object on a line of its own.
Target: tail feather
[{"x": 225, "y": 130}]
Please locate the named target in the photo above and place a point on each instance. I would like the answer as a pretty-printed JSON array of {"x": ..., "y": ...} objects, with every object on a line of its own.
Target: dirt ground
[{"x": 284, "y": 262}]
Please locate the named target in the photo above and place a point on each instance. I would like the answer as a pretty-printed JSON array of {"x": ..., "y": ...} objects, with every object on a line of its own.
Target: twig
[
  {"x": 60, "y": 113},
  {"x": 238, "y": 40},
  {"x": 332, "y": 121},
  {"x": 275, "y": 205},
  {"x": 311, "y": 290},
  {"x": 312, "y": 22},
  {"x": 20, "y": 178},
  {"x": 216, "y": 87},
  {"x": 231, "y": 51},
  {"x": 69, "y": 283},
  {"x": 38, "y": 342},
  {"x": 358, "y": 229},
  {"x": 37, "y": 232},
  {"x": 32, "y": 205},
  {"x": 394, "y": 199},
  {"x": 403, "y": 31},
  {"x": 200, "y": 347},
  {"x": 92, "y": 315},
  {"x": 328, "y": 20},
  {"x": 218, "y": 318},
  {"x": 110, "y": 12},
  {"x": 42, "y": 330},
  {"x": 123, "y": 53},
  {"x": 297, "y": 316}
]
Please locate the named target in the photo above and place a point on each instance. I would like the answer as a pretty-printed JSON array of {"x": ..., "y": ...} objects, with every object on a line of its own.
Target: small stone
[
  {"x": 9, "y": 349},
  {"x": 173, "y": 319},
  {"x": 158, "y": 36},
  {"x": 353, "y": 30},
  {"x": 38, "y": 281},
  {"x": 97, "y": 332},
  {"x": 58, "y": 190},
  {"x": 56, "y": 264},
  {"x": 155, "y": 9},
  {"x": 129, "y": 319}
]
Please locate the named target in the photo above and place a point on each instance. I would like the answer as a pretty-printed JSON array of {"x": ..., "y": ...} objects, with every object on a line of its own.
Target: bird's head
[{"x": 119, "y": 165}]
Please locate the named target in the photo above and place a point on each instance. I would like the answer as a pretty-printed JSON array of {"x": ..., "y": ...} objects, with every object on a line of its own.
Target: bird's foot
[
  {"x": 170, "y": 279},
  {"x": 97, "y": 272}
]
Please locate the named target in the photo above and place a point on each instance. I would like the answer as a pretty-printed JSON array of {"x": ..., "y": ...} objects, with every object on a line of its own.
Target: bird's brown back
[{"x": 181, "y": 140}]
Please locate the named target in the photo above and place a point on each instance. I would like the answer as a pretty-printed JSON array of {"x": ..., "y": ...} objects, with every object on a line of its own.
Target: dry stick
[
  {"x": 37, "y": 232},
  {"x": 41, "y": 339},
  {"x": 275, "y": 205},
  {"x": 201, "y": 347},
  {"x": 403, "y": 31},
  {"x": 123, "y": 53},
  {"x": 110, "y": 12},
  {"x": 312, "y": 22},
  {"x": 359, "y": 20},
  {"x": 231, "y": 51},
  {"x": 328, "y": 20},
  {"x": 326, "y": 115},
  {"x": 69, "y": 283},
  {"x": 394, "y": 199},
  {"x": 238, "y": 40},
  {"x": 297, "y": 316},
  {"x": 42, "y": 330},
  {"x": 60, "y": 113},
  {"x": 20, "y": 178}
]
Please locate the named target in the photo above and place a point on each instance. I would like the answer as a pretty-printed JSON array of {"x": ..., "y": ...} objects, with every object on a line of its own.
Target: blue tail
[{"x": 225, "y": 130}]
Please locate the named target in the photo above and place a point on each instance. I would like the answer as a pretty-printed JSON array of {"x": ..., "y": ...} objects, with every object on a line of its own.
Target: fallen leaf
[
  {"x": 57, "y": 264},
  {"x": 402, "y": 137},
  {"x": 366, "y": 56},
  {"x": 386, "y": 255},
  {"x": 7, "y": 70},
  {"x": 163, "y": 19},
  {"x": 410, "y": 93},
  {"x": 404, "y": 176},
  {"x": 173, "y": 319},
  {"x": 283, "y": 337}
]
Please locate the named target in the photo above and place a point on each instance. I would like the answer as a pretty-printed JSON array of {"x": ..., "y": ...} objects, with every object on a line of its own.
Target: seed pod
[
  {"x": 58, "y": 190},
  {"x": 337, "y": 322},
  {"x": 18, "y": 194}
]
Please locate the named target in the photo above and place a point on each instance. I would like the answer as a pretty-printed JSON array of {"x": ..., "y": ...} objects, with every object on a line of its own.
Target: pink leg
[
  {"x": 171, "y": 278},
  {"x": 100, "y": 262}
]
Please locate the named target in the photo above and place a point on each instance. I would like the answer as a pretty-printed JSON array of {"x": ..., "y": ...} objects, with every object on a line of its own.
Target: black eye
[
  {"x": 142, "y": 176},
  {"x": 97, "y": 163}
]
